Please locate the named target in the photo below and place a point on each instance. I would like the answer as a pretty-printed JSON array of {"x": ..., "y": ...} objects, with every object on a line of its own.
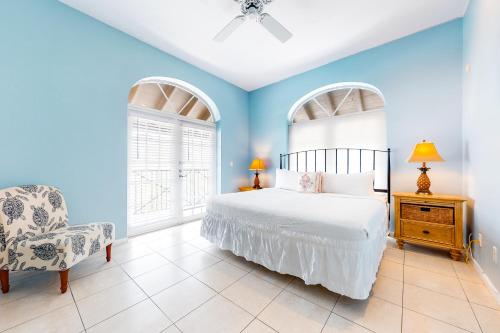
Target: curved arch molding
[{"x": 327, "y": 88}]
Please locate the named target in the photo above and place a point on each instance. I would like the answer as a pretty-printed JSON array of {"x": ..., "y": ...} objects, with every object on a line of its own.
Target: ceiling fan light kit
[{"x": 254, "y": 10}]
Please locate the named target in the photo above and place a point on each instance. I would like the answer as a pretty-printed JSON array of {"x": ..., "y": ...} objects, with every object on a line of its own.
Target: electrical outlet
[
  {"x": 494, "y": 255},
  {"x": 480, "y": 238}
]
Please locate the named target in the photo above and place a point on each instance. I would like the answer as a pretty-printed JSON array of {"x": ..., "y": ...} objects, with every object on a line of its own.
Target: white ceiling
[{"x": 324, "y": 30}]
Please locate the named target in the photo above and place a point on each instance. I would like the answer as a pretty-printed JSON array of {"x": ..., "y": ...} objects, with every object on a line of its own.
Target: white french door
[{"x": 171, "y": 169}]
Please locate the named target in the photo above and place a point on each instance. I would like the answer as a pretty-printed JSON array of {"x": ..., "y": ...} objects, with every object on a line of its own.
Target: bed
[{"x": 335, "y": 240}]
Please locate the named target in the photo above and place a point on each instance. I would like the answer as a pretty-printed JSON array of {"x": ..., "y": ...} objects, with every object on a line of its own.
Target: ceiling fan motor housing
[{"x": 253, "y": 8}]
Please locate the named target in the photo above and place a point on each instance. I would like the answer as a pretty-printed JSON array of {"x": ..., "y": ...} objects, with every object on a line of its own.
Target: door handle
[
  {"x": 425, "y": 209},
  {"x": 426, "y": 232}
]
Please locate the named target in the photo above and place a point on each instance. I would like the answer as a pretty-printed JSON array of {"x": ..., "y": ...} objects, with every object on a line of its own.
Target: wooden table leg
[
  {"x": 108, "y": 252},
  {"x": 4, "y": 279},
  {"x": 456, "y": 255},
  {"x": 400, "y": 243},
  {"x": 64, "y": 280}
]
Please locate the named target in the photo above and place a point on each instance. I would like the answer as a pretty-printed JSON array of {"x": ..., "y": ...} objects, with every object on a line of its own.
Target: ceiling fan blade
[
  {"x": 275, "y": 28},
  {"x": 229, "y": 28}
]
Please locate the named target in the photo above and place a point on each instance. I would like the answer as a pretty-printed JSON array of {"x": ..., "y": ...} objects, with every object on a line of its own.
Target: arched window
[
  {"x": 175, "y": 97},
  {"x": 171, "y": 153},
  {"x": 341, "y": 115},
  {"x": 348, "y": 115}
]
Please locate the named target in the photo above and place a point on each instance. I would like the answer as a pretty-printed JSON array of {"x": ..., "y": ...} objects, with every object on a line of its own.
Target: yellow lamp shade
[
  {"x": 425, "y": 152},
  {"x": 257, "y": 164}
]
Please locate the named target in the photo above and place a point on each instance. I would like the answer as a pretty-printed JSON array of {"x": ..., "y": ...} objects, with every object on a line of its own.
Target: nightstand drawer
[
  {"x": 428, "y": 231},
  {"x": 426, "y": 213}
]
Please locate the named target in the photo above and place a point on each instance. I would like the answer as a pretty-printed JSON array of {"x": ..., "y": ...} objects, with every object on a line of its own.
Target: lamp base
[
  {"x": 256, "y": 182},
  {"x": 423, "y": 182}
]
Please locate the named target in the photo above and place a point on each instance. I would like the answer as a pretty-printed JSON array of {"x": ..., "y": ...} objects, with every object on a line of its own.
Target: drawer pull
[
  {"x": 426, "y": 232},
  {"x": 425, "y": 209}
]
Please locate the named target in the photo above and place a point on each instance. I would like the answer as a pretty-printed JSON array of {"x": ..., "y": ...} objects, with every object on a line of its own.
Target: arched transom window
[
  {"x": 338, "y": 100},
  {"x": 169, "y": 98}
]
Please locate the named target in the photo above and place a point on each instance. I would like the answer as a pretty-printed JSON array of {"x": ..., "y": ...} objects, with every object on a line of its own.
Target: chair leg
[
  {"x": 4, "y": 278},
  {"x": 64, "y": 280},
  {"x": 108, "y": 252}
]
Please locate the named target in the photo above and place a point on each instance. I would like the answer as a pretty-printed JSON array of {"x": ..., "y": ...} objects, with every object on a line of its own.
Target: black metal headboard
[{"x": 364, "y": 155}]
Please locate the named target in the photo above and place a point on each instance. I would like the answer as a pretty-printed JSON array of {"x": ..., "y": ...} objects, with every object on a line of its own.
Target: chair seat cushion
[{"x": 59, "y": 249}]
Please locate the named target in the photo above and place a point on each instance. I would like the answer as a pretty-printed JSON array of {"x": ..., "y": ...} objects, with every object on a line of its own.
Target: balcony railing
[
  {"x": 196, "y": 188},
  {"x": 153, "y": 191}
]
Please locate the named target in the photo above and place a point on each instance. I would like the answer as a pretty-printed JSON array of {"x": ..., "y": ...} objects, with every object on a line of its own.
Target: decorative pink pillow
[{"x": 309, "y": 182}]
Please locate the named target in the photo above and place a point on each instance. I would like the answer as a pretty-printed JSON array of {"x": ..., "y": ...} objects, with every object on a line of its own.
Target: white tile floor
[{"x": 175, "y": 281}]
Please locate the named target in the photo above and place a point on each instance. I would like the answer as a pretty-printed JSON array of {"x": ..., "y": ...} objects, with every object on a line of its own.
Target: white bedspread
[
  {"x": 329, "y": 239},
  {"x": 329, "y": 215}
]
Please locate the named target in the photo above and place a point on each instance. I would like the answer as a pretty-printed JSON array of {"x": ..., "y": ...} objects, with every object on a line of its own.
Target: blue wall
[
  {"x": 481, "y": 121},
  {"x": 421, "y": 79},
  {"x": 65, "y": 78}
]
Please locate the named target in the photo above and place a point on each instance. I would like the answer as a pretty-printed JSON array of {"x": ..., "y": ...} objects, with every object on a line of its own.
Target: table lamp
[
  {"x": 257, "y": 165},
  {"x": 424, "y": 152}
]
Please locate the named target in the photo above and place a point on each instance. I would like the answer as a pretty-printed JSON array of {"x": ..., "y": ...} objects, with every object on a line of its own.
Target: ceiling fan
[{"x": 253, "y": 9}]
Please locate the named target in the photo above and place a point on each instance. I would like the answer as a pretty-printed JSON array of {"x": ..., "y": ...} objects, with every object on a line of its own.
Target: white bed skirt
[{"x": 343, "y": 266}]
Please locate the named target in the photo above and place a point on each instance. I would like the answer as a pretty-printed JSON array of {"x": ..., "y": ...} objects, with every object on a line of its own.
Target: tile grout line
[
  {"x": 221, "y": 295},
  {"x": 24, "y": 279},
  {"x": 327, "y": 319},
  {"x": 74, "y": 300},
  {"x": 437, "y": 319},
  {"x": 271, "y": 301},
  {"x": 403, "y": 291},
  {"x": 113, "y": 315},
  {"x": 468, "y": 300},
  {"x": 191, "y": 275},
  {"x": 34, "y": 318},
  {"x": 349, "y": 320},
  {"x": 438, "y": 292},
  {"x": 321, "y": 306},
  {"x": 444, "y": 275},
  {"x": 77, "y": 308},
  {"x": 147, "y": 298},
  {"x": 216, "y": 292},
  {"x": 425, "y": 315},
  {"x": 330, "y": 314}
]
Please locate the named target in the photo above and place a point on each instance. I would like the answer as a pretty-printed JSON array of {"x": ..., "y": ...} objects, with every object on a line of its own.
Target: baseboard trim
[
  {"x": 120, "y": 241},
  {"x": 486, "y": 280}
]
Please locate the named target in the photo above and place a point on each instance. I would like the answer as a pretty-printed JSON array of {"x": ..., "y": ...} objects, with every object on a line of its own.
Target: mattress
[{"x": 323, "y": 238}]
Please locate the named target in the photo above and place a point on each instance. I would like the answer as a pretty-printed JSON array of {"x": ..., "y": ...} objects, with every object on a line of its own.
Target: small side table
[{"x": 431, "y": 220}]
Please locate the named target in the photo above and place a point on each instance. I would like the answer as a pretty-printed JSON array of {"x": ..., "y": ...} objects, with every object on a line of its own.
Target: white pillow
[
  {"x": 352, "y": 184},
  {"x": 308, "y": 182},
  {"x": 286, "y": 179}
]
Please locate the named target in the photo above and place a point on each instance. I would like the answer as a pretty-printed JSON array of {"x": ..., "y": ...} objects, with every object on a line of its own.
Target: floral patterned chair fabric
[{"x": 35, "y": 235}]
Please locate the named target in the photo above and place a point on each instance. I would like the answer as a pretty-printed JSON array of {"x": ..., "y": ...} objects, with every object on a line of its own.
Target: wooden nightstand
[
  {"x": 430, "y": 220},
  {"x": 247, "y": 188}
]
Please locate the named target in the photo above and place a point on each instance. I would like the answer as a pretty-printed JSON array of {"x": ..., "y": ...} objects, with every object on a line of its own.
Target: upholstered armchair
[{"x": 35, "y": 235}]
